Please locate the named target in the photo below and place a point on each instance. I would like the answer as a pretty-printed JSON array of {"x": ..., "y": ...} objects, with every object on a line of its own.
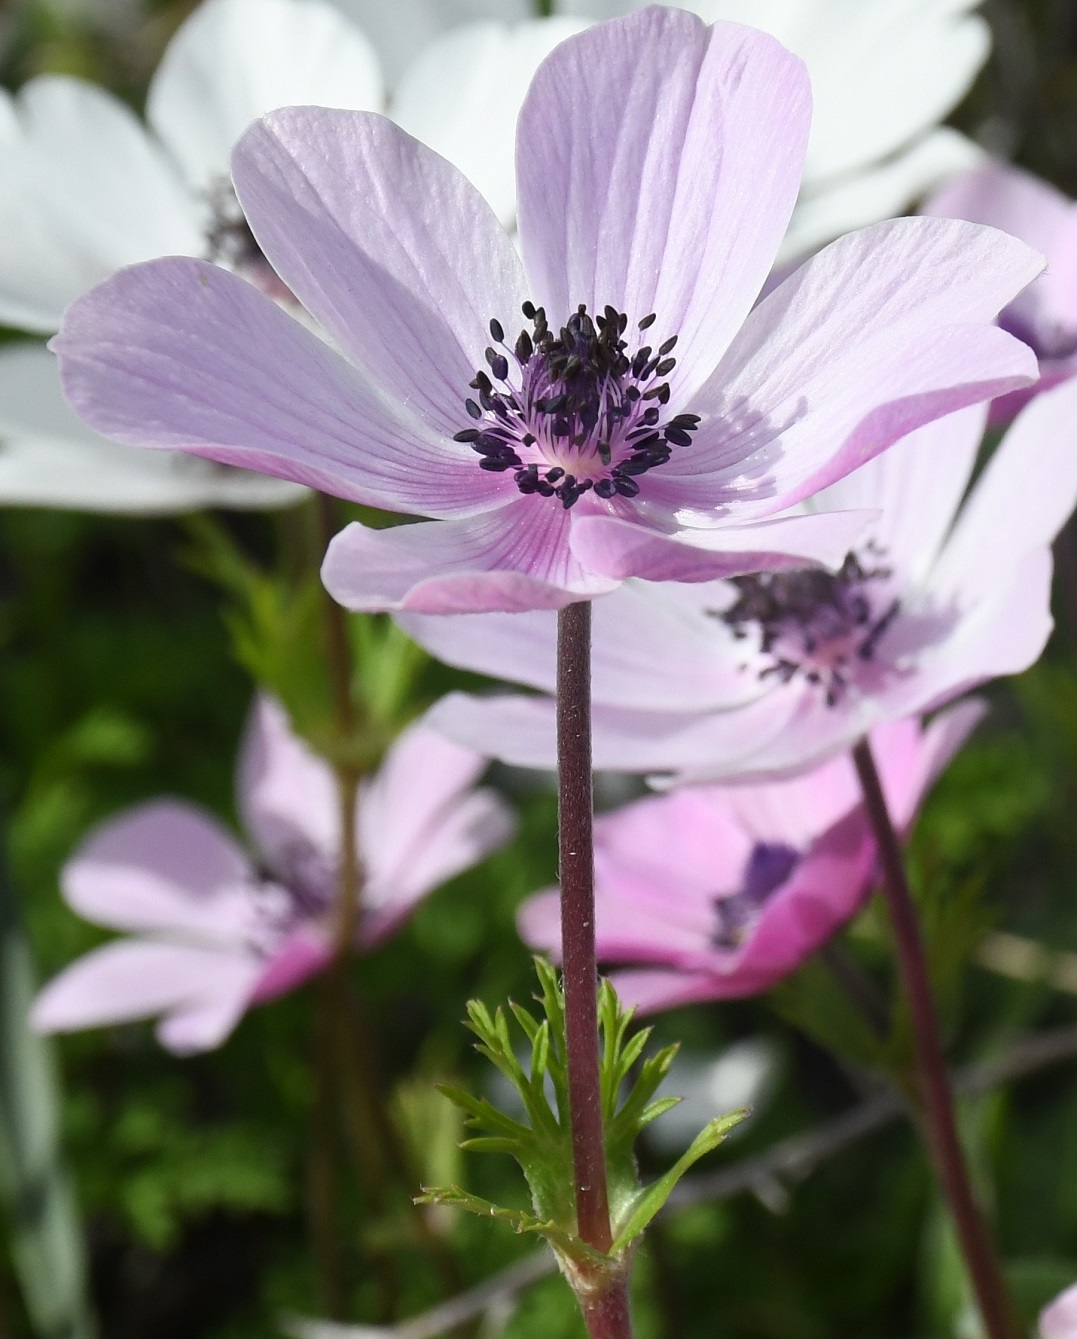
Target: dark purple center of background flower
[
  {"x": 231, "y": 244},
  {"x": 812, "y": 622},
  {"x": 768, "y": 866},
  {"x": 574, "y": 411}
]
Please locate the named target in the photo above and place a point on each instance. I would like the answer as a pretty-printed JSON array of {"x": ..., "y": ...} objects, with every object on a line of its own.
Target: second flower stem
[
  {"x": 936, "y": 1098},
  {"x": 575, "y": 822}
]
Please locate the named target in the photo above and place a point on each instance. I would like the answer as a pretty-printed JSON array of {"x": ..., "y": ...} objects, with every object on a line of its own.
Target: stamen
[{"x": 574, "y": 411}]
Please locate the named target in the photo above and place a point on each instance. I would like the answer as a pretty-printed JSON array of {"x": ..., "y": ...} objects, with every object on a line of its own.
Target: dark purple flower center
[
  {"x": 768, "y": 866},
  {"x": 231, "y": 244},
  {"x": 299, "y": 887},
  {"x": 575, "y": 411},
  {"x": 812, "y": 622}
]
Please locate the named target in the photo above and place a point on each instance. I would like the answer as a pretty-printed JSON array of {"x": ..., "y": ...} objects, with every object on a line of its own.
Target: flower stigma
[
  {"x": 574, "y": 411},
  {"x": 769, "y": 865},
  {"x": 814, "y": 623}
]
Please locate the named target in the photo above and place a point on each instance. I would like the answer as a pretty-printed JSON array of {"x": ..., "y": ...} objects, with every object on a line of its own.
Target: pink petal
[
  {"x": 1020, "y": 503},
  {"x": 179, "y": 353},
  {"x": 638, "y": 631},
  {"x": 1059, "y": 1320},
  {"x": 622, "y": 548},
  {"x": 302, "y": 955},
  {"x": 132, "y": 979},
  {"x": 387, "y": 245},
  {"x": 650, "y": 140},
  {"x": 514, "y": 558},
  {"x": 206, "y": 1023},
  {"x": 916, "y": 486},
  {"x": 650, "y": 991},
  {"x": 420, "y": 823},
  {"x": 165, "y": 865},
  {"x": 287, "y": 796},
  {"x": 881, "y": 332}
]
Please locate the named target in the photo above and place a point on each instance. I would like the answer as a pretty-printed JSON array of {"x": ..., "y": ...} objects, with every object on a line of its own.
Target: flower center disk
[
  {"x": 812, "y": 622},
  {"x": 574, "y": 411}
]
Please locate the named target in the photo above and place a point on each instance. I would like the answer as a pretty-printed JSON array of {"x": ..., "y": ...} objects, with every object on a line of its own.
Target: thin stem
[
  {"x": 575, "y": 821},
  {"x": 977, "y": 1246}
]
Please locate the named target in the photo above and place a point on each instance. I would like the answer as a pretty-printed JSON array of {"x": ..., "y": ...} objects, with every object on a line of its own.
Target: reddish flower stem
[
  {"x": 936, "y": 1098},
  {"x": 606, "y": 1313},
  {"x": 575, "y": 820}
]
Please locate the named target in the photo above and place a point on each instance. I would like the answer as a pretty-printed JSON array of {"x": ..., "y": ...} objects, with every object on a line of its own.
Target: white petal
[
  {"x": 235, "y": 59},
  {"x": 49, "y": 458},
  {"x": 463, "y": 94},
  {"x": 864, "y": 197},
  {"x": 404, "y": 27},
  {"x": 83, "y": 191}
]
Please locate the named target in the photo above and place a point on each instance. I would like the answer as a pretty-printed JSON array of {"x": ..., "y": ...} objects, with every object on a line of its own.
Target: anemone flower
[
  {"x": 86, "y": 189},
  {"x": 1059, "y": 1320},
  {"x": 883, "y": 76},
  {"x": 216, "y": 930},
  {"x": 649, "y": 418},
  {"x": 772, "y": 672},
  {"x": 717, "y": 892},
  {"x": 1045, "y": 314}
]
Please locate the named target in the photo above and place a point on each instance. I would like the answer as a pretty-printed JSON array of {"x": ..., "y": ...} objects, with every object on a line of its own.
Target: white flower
[
  {"x": 86, "y": 188},
  {"x": 884, "y": 73}
]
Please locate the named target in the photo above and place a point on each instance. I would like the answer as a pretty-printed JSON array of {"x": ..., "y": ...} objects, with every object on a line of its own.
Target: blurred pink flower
[
  {"x": 714, "y": 892},
  {"x": 1045, "y": 314},
  {"x": 1059, "y": 1320},
  {"x": 216, "y": 931},
  {"x": 767, "y": 674},
  {"x": 649, "y": 419}
]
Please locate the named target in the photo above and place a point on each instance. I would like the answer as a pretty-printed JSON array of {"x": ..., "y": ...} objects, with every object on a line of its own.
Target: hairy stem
[
  {"x": 936, "y": 1099},
  {"x": 606, "y": 1313},
  {"x": 575, "y": 822}
]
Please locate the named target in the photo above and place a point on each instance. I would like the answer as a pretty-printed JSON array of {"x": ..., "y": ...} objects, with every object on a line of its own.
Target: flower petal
[
  {"x": 1019, "y": 504},
  {"x": 841, "y": 204},
  {"x": 83, "y": 191},
  {"x": 386, "y": 244},
  {"x": 649, "y": 991},
  {"x": 916, "y": 486},
  {"x": 649, "y": 141},
  {"x": 164, "y": 865},
  {"x": 287, "y": 796},
  {"x": 514, "y": 558},
  {"x": 463, "y": 94},
  {"x": 205, "y": 1024},
  {"x": 639, "y": 631},
  {"x": 179, "y": 353},
  {"x": 232, "y": 60},
  {"x": 303, "y": 954},
  {"x": 51, "y": 459},
  {"x": 132, "y": 979},
  {"x": 879, "y": 333},
  {"x": 1059, "y": 1320},
  {"x": 620, "y": 548}
]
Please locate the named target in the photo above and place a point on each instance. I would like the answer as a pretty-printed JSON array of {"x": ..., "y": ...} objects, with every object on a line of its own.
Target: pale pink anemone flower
[
  {"x": 766, "y": 674},
  {"x": 216, "y": 930},
  {"x": 612, "y": 404},
  {"x": 1045, "y": 314},
  {"x": 715, "y": 892},
  {"x": 1059, "y": 1320}
]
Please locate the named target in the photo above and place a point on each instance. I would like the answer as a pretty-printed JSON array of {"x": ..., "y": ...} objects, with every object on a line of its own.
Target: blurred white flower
[
  {"x": 86, "y": 188},
  {"x": 884, "y": 73}
]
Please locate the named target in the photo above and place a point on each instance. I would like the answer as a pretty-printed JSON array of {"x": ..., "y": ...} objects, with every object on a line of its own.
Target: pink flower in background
[
  {"x": 1059, "y": 1320},
  {"x": 1045, "y": 314},
  {"x": 215, "y": 931},
  {"x": 715, "y": 892},
  {"x": 616, "y": 403},
  {"x": 768, "y": 674}
]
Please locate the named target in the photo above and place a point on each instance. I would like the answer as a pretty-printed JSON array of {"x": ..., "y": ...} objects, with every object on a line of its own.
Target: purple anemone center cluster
[
  {"x": 815, "y": 623},
  {"x": 769, "y": 865},
  {"x": 573, "y": 411}
]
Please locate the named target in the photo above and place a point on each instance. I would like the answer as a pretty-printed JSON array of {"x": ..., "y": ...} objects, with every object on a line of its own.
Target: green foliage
[{"x": 543, "y": 1146}]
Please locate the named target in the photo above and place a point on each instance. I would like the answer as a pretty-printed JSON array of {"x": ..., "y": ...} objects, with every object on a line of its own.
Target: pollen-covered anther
[
  {"x": 817, "y": 624},
  {"x": 574, "y": 411}
]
